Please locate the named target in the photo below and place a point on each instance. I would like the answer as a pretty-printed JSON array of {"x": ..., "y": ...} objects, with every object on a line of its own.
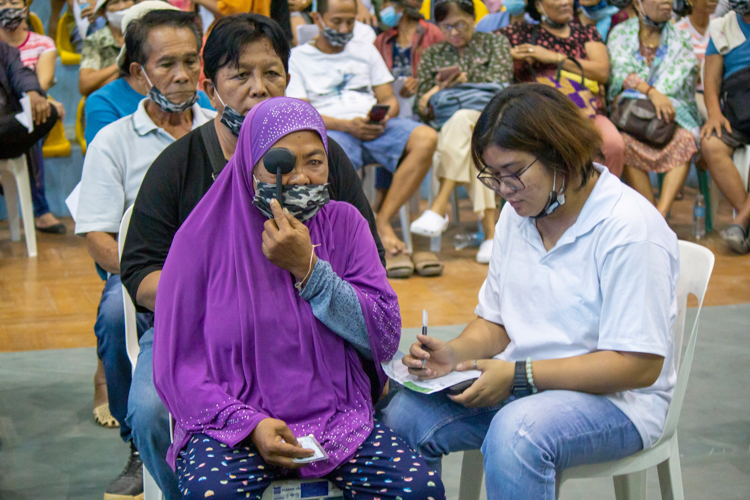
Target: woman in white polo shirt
[{"x": 574, "y": 329}]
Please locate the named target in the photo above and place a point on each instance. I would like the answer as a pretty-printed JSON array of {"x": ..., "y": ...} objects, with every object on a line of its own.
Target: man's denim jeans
[
  {"x": 149, "y": 419},
  {"x": 524, "y": 442},
  {"x": 110, "y": 346}
]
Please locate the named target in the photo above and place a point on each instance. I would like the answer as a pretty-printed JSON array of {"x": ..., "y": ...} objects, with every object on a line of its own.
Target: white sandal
[{"x": 429, "y": 224}]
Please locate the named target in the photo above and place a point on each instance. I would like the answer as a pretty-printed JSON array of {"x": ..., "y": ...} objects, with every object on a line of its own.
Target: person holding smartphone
[
  {"x": 466, "y": 56},
  {"x": 344, "y": 78},
  {"x": 573, "y": 335}
]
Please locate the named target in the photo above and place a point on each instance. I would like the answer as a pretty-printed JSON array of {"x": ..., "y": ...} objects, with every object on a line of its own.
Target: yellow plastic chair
[
  {"x": 56, "y": 144},
  {"x": 81, "y": 124},
  {"x": 480, "y": 10},
  {"x": 68, "y": 54},
  {"x": 36, "y": 24}
]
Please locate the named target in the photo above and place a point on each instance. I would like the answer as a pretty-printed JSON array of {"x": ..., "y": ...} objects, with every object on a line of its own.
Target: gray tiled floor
[{"x": 52, "y": 449}]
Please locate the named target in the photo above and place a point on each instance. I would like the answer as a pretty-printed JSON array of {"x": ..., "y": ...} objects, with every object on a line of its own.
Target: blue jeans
[
  {"x": 524, "y": 442},
  {"x": 385, "y": 150},
  {"x": 149, "y": 420},
  {"x": 110, "y": 346}
]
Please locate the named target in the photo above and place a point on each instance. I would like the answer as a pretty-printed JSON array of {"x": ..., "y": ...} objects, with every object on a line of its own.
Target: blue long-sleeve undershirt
[{"x": 335, "y": 303}]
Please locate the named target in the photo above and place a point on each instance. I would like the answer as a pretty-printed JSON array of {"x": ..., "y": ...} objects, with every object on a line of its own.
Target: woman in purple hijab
[{"x": 271, "y": 325}]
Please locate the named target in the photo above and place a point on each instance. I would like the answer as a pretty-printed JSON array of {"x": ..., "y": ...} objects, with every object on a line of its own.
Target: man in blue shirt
[{"x": 727, "y": 73}]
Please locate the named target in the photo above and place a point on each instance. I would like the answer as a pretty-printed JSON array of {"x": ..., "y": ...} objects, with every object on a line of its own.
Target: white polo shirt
[
  {"x": 115, "y": 164},
  {"x": 608, "y": 284}
]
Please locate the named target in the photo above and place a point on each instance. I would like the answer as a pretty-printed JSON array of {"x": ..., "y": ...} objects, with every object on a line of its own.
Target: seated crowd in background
[{"x": 162, "y": 154}]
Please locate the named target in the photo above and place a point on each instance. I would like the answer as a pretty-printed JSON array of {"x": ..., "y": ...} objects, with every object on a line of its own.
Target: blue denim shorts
[{"x": 386, "y": 150}]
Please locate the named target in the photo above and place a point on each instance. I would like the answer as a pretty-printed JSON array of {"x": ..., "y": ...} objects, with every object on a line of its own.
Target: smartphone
[
  {"x": 457, "y": 389},
  {"x": 448, "y": 72},
  {"x": 378, "y": 112}
]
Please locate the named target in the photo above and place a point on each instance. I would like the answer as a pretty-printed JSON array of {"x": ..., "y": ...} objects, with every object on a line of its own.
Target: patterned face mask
[
  {"x": 302, "y": 201},
  {"x": 11, "y": 17},
  {"x": 335, "y": 38},
  {"x": 161, "y": 100},
  {"x": 231, "y": 118},
  {"x": 741, "y": 7}
]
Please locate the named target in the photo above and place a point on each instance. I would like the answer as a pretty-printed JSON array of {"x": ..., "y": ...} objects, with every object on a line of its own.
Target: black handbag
[
  {"x": 637, "y": 118},
  {"x": 735, "y": 100}
]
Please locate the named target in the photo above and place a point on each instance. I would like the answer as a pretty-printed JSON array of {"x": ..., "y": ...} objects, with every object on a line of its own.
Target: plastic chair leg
[
  {"x": 151, "y": 490},
  {"x": 631, "y": 486},
  {"x": 670, "y": 475},
  {"x": 11, "y": 205},
  {"x": 705, "y": 190},
  {"x": 472, "y": 472},
  {"x": 17, "y": 189},
  {"x": 403, "y": 214}
]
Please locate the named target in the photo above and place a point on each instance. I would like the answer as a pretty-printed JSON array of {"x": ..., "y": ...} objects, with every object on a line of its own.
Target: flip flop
[
  {"x": 399, "y": 266},
  {"x": 103, "y": 417},
  {"x": 736, "y": 237},
  {"x": 427, "y": 264}
]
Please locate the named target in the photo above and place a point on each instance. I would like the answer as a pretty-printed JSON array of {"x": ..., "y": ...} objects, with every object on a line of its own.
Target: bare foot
[
  {"x": 100, "y": 385},
  {"x": 46, "y": 220},
  {"x": 391, "y": 243}
]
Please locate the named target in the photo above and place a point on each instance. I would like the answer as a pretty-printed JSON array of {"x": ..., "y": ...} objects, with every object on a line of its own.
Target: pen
[{"x": 424, "y": 332}]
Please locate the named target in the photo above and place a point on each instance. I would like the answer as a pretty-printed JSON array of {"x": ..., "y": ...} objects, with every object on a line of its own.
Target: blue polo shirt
[
  {"x": 737, "y": 58},
  {"x": 115, "y": 100}
]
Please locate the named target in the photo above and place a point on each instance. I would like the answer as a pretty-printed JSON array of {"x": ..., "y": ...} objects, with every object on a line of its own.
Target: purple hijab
[{"x": 233, "y": 341}]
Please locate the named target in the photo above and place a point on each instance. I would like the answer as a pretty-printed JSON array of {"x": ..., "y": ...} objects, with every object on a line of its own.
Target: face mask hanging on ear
[
  {"x": 556, "y": 199},
  {"x": 161, "y": 100},
  {"x": 230, "y": 118},
  {"x": 647, "y": 20},
  {"x": 552, "y": 24}
]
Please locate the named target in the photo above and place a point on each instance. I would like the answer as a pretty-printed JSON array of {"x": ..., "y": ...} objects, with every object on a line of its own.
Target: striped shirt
[
  {"x": 33, "y": 47},
  {"x": 699, "y": 43}
]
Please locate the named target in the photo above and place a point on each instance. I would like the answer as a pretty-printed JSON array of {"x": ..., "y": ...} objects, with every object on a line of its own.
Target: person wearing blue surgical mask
[
  {"x": 407, "y": 35},
  {"x": 515, "y": 12},
  {"x": 597, "y": 13}
]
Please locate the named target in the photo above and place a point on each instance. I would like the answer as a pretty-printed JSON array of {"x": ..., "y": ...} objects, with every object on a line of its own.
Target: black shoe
[
  {"x": 58, "y": 228},
  {"x": 129, "y": 484}
]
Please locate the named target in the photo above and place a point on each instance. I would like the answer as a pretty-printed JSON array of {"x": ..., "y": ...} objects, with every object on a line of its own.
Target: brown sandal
[
  {"x": 103, "y": 417},
  {"x": 427, "y": 264},
  {"x": 399, "y": 267}
]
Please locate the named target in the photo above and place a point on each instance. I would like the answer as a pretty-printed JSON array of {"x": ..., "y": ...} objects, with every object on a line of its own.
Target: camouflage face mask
[{"x": 303, "y": 201}]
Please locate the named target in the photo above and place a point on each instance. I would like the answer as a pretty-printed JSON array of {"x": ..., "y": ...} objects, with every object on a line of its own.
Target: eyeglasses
[
  {"x": 459, "y": 26},
  {"x": 511, "y": 181}
]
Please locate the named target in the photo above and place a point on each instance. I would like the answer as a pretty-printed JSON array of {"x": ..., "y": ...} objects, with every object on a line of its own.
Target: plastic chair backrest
[
  {"x": 696, "y": 264},
  {"x": 68, "y": 54},
  {"x": 742, "y": 162},
  {"x": 131, "y": 331},
  {"x": 81, "y": 124},
  {"x": 306, "y": 32},
  {"x": 36, "y": 24}
]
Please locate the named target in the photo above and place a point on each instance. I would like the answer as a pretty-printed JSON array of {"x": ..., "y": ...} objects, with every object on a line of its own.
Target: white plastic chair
[
  {"x": 742, "y": 162},
  {"x": 151, "y": 490},
  {"x": 630, "y": 473},
  {"x": 15, "y": 180},
  {"x": 306, "y": 32}
]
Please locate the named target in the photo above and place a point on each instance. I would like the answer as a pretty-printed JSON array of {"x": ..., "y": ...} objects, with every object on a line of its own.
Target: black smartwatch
[{"x": 520, "y": 383}]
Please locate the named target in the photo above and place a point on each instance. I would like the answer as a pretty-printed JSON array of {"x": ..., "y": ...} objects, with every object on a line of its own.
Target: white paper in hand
[
  {"x": 24, "y": 117},
  {"x": 310, "y": 443},
  {"x": 400, "y": 373}
]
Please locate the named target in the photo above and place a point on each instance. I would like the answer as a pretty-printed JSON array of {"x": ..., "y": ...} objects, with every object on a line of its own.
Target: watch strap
[{"x": 520, "y": 384}]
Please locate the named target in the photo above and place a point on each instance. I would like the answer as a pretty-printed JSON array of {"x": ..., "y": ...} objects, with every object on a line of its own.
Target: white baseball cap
[{"x": 137, "y": 11}]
